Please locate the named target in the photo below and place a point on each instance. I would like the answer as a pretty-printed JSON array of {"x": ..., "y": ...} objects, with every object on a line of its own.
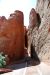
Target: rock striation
[
  {"x": 41, "y": 42},
  {"x": 43, "y": 8}
]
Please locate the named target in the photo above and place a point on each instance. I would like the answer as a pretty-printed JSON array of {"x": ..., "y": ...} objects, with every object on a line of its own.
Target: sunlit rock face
[
  {"x": 40, "y": 39},
  {"x": 43, "y": 8},
  {"x": 12, "y": 35}
]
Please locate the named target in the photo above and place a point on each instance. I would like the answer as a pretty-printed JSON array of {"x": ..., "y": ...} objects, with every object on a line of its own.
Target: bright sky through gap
[{"x": 9, "y": 6}]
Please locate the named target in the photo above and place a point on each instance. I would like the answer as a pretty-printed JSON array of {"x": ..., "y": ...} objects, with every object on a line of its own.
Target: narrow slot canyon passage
[{"x": 25, "y": 49}]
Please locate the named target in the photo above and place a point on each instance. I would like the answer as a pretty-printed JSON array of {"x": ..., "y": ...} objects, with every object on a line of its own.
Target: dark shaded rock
[{"x": 26, "y": 37}]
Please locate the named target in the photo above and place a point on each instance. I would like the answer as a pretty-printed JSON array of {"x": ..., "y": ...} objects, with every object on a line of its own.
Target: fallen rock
[{"x": 4, "y": 70}]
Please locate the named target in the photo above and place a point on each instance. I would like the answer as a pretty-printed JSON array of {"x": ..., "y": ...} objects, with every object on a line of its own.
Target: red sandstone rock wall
[{"x": 12, "y": 36}]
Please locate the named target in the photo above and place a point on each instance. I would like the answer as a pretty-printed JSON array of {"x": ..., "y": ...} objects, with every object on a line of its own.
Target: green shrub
[{"x": 2, "y": 60}]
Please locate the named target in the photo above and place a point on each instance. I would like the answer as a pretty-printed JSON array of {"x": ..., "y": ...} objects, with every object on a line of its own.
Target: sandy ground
[{"x": 24, "y": 69}]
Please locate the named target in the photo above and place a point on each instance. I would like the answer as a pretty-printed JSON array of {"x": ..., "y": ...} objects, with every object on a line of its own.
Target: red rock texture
[{"x": 12, "y": 36}]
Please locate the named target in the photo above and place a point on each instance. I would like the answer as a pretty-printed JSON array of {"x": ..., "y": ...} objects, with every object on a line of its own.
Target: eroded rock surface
[
  {"x": 43, "y": 36},
  {"x": 43, "y": 8}
]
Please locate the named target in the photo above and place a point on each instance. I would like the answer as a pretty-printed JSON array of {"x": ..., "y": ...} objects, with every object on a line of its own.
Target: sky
[{"x": 9, "y": 6}]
